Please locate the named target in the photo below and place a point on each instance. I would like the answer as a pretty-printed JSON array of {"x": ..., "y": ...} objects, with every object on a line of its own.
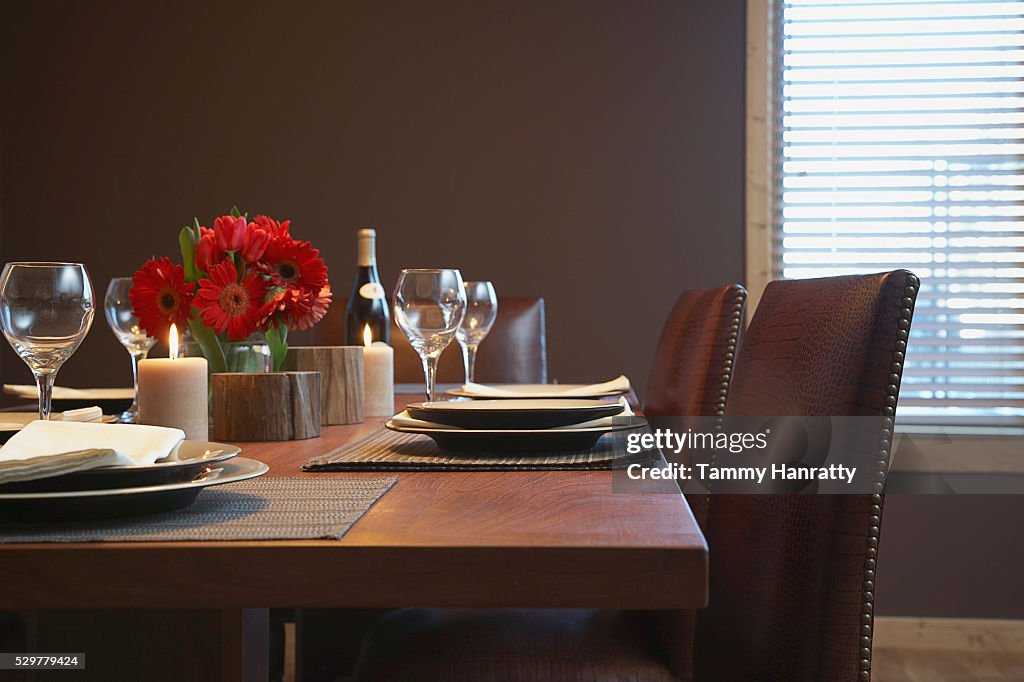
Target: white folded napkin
[
  {"x": 404, "y": 420},
  {"x": 65, "y": 393},
  {"x": 50, "y": 448},
  {"x": 619, "y": 384},
  {"x": 84, "y": 414}
]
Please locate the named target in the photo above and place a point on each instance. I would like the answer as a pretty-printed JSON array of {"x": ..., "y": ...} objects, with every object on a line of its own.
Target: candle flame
[
  {"x": 172, "y": 341},
  {"x": 367, "y": 336}
]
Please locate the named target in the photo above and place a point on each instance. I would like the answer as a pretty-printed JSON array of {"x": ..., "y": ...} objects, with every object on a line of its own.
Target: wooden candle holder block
[
  {"x": 266, "y": 406},
  {"x": 341, "y": 373}
]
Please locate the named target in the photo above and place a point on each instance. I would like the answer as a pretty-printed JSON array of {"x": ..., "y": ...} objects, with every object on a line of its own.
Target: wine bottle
[{"x": 367, "y": 304}]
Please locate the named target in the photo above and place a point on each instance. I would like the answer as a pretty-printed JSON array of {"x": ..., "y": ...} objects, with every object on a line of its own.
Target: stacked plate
[
  {"x": 540, "y": 425},
  {"x": 113, "y": 491}
]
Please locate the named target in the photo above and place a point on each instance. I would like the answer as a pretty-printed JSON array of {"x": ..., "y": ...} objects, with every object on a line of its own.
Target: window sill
[{"x": 974, "y": 450}]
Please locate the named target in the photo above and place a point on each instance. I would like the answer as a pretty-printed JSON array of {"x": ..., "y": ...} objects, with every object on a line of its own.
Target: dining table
[{"x": 478, "y": 539}]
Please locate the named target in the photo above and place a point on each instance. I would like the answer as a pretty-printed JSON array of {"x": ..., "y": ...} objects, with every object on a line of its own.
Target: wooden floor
[
  {"x": 919, "y": 665},
  {"x": 889, "y": 665}
]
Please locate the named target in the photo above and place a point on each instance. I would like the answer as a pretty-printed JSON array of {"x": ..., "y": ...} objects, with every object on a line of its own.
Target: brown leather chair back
[
  {"x": 792, "y": 576},
  {"x": 515, "y": 350},
  {"x": 693, "y": 363}
]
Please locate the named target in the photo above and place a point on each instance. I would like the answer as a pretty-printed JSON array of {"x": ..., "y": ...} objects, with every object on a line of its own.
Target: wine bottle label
[{"x": 371, "y": 290}]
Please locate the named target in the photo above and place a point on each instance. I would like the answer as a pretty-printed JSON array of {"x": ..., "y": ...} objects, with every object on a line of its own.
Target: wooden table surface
[
  {"x": 486, "y": 539},
  {"x": 453, "y": 539}
]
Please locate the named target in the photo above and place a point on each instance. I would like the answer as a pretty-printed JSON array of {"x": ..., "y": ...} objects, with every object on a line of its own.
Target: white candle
[
  {"x": 378, "y": 377},
  {"x": 173, "y": 392}
]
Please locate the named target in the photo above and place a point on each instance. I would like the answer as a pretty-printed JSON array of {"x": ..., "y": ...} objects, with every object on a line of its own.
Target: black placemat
[
  {"x": 386, "y": 450},
  {"x": 258, "y": 509}
]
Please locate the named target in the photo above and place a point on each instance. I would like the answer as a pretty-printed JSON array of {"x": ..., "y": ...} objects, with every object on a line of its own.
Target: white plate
[
  {"x": 543, "y": 391},
  {"x": 80, "y": 505},
  {"x": 64, "y": 393},
  {"x": 12, "y": 422}
]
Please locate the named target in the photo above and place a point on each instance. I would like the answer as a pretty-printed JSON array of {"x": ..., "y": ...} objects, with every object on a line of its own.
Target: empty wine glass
[
  {"x": 117, "y": 307},
  {"x": 481, "y": 309},
  {"x": 46, "y": 310},
  {"x": 429, "y": 305}
]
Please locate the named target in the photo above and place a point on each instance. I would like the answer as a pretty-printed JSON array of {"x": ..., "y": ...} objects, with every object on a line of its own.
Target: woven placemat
[
  {"x": 258, "y": 509},
  {"x": 386, "y": 450}
]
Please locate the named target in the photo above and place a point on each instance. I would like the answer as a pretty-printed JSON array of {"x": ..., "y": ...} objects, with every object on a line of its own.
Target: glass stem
[
  {"x": 45, "y": 384},
  {"x": 135, "y": 379},
  {"x": 469, "y": 359},
  {"x": 430, "y": 372}
]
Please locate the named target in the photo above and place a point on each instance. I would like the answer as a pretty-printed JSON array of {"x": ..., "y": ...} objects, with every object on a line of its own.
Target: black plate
[
  {"x": 100, "y": 507},
  {"x": 121, "y": 502},
  {"x": 517, "y": 414},
  {"x": 108, "y": 405}
]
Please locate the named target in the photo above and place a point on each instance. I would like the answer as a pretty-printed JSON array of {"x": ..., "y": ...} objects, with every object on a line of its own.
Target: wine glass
[
  {"x": 46, "y": 310},
  {"x": 429, "y": 305},
  {"x": 481, "y": 309},
  {"x": 117, "y": 307}
]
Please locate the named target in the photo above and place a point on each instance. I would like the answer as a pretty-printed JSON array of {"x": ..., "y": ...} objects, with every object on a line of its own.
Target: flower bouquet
[{"x": 236, "y": 279}]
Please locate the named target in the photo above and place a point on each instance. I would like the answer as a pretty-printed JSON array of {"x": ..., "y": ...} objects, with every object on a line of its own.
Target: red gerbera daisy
[
  {"x": 227, "y": 304},
  {"x": 160, "y": 297},
  {"x": 292, "y": 263},
  {"x": 303, "y": 309}
]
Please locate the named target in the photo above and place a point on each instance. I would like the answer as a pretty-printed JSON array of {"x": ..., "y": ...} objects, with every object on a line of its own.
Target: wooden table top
[{"x": 446, "y": 539}]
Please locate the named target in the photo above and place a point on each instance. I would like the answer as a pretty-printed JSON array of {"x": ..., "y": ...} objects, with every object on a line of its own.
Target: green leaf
[
  {"x": 237, "y": 213},
  {"x": 197, "y": 228},
  {"x": 277, "y": 339},
  {"x": 187, "y": 242},
  {"x": 208, "y": 343}
]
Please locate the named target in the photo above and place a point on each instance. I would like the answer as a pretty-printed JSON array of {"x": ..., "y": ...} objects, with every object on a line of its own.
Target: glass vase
[{"x": 251, "y": 354}]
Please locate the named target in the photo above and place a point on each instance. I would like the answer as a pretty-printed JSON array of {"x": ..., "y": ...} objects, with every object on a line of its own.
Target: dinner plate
[
  {"x": 112, "y": 400},
  {"x": 538, "y": 441},
  {"x": 85, "y": 505},
  {"x": 544, "y": 391},
  {"x": 194, "y": 456},
  {"x": 12, "y": 422},
  {"x": 513, "y": 414}
]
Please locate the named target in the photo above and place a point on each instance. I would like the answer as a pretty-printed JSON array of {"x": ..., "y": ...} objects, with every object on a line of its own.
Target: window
[{"x": 897, "y": 138}]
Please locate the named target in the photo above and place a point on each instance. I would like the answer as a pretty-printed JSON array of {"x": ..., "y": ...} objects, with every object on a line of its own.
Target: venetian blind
[{"x": 899, "y": 132}]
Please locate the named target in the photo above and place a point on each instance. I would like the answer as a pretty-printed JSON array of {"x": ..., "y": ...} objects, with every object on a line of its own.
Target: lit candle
[
  {"x": 173, "y": 392},
  {"x": 378, "y": 376}
]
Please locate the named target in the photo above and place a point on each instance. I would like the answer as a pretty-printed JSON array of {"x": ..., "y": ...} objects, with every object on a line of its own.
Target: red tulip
[
  {"x": 208, "y": 253},
  {"x": 230, "y": 232},
  {"x": 256, "y": 240}
]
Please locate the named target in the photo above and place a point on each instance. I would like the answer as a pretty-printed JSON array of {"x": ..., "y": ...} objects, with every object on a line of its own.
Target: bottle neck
[{"x": 367, "y": 249}]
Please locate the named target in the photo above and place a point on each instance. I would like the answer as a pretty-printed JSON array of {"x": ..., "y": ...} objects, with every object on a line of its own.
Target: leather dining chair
[
  {"x": 791, "y": 576},
  {"x": 515, "y": 350},
  {"x": 694, "y": 359}
]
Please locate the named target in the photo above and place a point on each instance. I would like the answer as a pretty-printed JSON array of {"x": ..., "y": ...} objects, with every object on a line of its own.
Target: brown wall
[{"x": 587, "y": 151}]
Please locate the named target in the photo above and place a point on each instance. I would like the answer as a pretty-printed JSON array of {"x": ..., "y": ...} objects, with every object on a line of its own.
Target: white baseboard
[{"x": 949, "y": 634}]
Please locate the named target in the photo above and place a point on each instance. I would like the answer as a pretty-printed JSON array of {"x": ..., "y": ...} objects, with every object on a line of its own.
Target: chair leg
[{"x": 328, "y": 641}]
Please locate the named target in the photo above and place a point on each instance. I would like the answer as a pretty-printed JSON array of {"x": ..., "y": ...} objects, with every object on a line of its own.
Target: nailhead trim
[
  {"x": 910, "y": 289},
  {"x": 735, "y": 325}
]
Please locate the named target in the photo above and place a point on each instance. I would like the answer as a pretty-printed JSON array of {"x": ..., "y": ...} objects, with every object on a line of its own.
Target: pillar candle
[
  {"x": 379, "y": 379},
  {"x": 173, "y": 392}
]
